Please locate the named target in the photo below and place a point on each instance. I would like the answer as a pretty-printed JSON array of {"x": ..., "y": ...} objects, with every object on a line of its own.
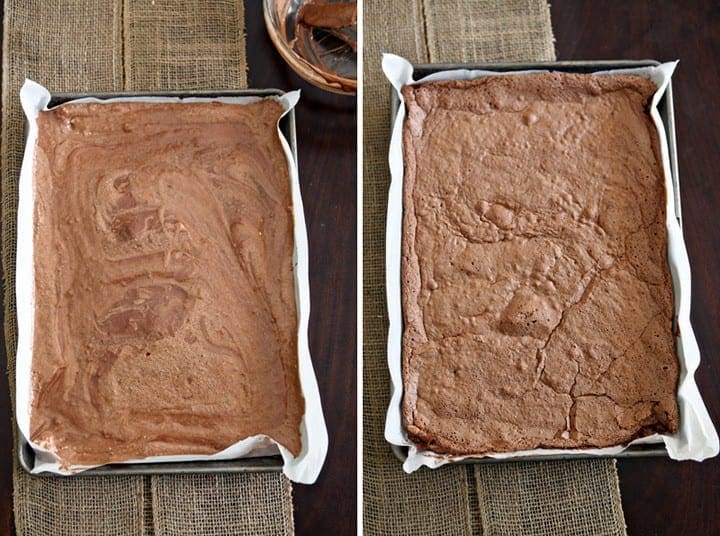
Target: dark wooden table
[
  {"x": 326, "y": 132},
  {"x": 327, "y": 155},
  {"x": 663, "y": 496}
]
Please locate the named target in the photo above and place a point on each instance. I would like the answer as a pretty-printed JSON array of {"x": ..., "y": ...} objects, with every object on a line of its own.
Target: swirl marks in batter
[{"x": 165, "y": 306}]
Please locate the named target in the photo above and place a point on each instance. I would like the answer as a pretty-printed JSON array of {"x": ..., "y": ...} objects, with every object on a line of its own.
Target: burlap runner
[
  {"x": 109, "y": 46},
  {"x": 552, "y": 498}
]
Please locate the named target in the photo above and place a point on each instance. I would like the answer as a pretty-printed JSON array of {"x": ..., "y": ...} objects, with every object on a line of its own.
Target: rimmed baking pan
[
  {"x": 665, "y": 108},
  {"x": 25, "y": 453}
]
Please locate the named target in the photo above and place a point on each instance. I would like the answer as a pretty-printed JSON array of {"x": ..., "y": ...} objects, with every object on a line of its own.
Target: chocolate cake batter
[
  {"x": 536, "y": 291},
  {"x": 165, "y": 315}
]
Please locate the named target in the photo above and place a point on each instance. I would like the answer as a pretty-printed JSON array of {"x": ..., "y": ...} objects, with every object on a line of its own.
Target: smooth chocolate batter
[
  {"x": 165, "y": 315},
  {"x": 536, "y": 291}
]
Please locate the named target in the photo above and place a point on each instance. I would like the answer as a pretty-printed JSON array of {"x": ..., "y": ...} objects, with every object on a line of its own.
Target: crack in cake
[
  {"x": 536, "y": 293},
  {"x": 165, "y": 314}
]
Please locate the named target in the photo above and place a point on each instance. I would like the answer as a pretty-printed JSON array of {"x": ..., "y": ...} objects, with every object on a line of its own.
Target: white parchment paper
[
  {"x": 303, "y": 468},
  {"x": 696, "y": 438}
]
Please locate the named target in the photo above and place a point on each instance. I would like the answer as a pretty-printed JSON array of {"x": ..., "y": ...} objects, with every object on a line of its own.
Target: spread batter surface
[
  {"x": 165, "y": 319},
  {"x": 536, "y": 292}
]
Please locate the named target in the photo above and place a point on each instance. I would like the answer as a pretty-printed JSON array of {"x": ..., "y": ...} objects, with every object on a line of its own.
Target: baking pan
[
  {"x": 665, "y": 108},
  {"x": 26, "y": 455}
]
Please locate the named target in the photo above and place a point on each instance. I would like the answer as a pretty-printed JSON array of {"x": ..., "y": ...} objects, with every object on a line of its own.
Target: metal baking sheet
[
  {"x": 25, "y": 453},
  {"x": 665, "y": 107}
]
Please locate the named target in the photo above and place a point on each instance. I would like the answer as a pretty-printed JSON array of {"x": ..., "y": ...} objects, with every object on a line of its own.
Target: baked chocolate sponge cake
[
  {"x": 165, "y": 315},
  {"x": 536, "y": 292}
]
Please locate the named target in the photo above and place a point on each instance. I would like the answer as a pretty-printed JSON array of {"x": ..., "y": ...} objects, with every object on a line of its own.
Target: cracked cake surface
[{"x": 537, "y": 298}]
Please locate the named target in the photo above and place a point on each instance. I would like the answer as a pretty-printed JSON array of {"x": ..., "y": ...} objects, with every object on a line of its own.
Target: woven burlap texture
[
  {"x": 72, "y": 45},
  {"x": 553, "y": 498}
]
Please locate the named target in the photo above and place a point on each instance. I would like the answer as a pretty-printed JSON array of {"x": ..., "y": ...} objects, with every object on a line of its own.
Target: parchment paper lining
[
  {"x": 695, "y": 440},
  {"x": 303, "y": 468}
]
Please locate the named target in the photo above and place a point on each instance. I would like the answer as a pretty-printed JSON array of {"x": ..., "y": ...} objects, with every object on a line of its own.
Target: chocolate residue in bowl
[
  {"x": 326, "y": 36},
  {"x": 328, "y": 14}
]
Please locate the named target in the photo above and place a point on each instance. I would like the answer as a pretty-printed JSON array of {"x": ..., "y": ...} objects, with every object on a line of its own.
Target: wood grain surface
[
  {"x": 326, "y": 133},
  {"x": 663, "y": 496}
]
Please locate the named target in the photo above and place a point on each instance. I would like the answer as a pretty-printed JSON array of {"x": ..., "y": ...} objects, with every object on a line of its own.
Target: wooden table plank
[
  {"x": 663, "y": 496},
  {"x": 326, "y": 132}
]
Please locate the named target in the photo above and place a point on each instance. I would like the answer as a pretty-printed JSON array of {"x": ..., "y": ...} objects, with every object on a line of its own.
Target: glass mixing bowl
[{"x": 318, "y": 39}]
